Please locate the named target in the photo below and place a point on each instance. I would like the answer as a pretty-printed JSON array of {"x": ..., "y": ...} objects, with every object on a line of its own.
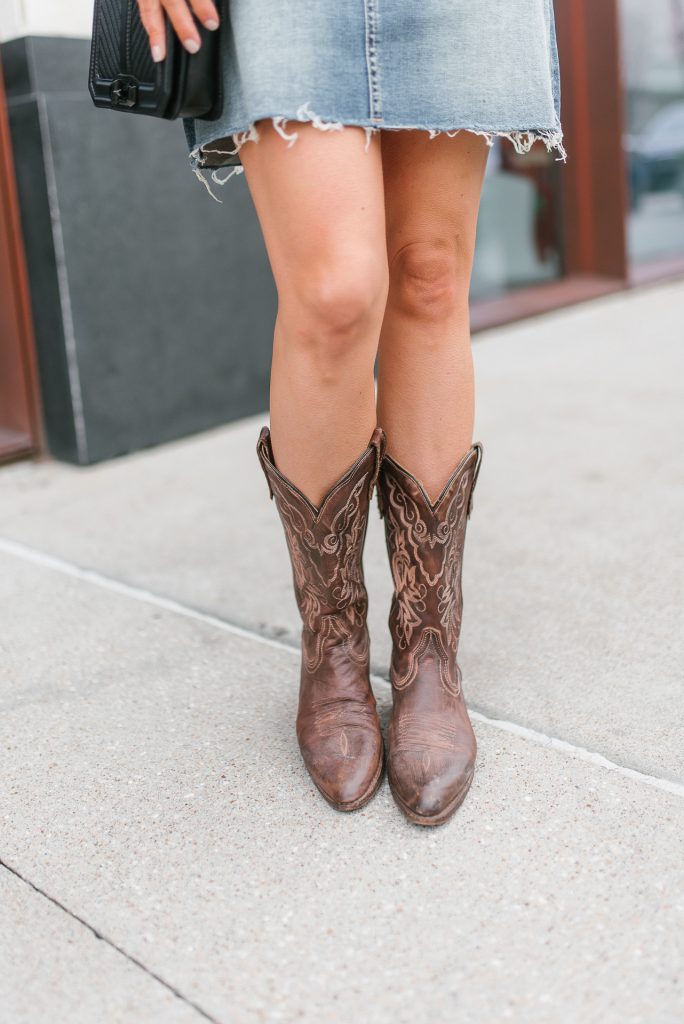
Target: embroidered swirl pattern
[
  {"x": 326, "y": 563},
  {"x": 425, "y": 549}
]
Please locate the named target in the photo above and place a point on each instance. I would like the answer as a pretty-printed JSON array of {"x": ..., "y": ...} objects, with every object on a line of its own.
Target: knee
[
  {"x": 430, "y": 279},
  {"x": 339, "y": 306}
]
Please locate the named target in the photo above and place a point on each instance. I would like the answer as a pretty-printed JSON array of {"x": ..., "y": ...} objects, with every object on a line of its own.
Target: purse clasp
[{"x": 124, "y": 92}]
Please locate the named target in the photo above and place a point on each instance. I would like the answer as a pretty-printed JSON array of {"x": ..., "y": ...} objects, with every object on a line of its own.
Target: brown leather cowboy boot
[
  {"x": 430, "y": 742},
  {"x": 337, "y": 723}
]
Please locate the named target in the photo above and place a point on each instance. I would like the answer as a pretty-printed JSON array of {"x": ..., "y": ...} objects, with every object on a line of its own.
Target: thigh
[
  {"x": 432, "y": 191},
  {"x": 320, "y": 201}
]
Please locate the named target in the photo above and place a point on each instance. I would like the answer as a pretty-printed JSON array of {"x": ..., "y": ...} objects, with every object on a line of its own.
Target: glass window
[
  {"x": 653, "y": 71},
  {"x": 518, "y": 232}
]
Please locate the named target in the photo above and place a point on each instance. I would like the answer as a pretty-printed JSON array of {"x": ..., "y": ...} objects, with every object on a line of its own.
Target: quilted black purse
[{"x": 123, "y": 76}]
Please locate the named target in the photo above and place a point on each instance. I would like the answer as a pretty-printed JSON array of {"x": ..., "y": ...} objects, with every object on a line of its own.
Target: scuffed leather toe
[
  {"x": 346, "y": 767},
  {"x": 428, "y": 785}
]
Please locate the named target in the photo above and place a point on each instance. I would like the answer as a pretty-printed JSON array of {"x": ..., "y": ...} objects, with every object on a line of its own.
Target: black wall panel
[{"x": 153, "y": 304}]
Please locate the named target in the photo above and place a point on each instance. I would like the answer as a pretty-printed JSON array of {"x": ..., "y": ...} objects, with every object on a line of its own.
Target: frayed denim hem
[{"x": 521, "y": 139}]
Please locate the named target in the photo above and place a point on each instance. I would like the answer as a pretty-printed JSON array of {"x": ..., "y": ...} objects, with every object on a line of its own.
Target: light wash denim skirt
[{"x": 484, "y": 66}]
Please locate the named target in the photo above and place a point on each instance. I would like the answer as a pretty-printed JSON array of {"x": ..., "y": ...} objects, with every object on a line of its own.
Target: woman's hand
[{"x": 152, "y": 17}]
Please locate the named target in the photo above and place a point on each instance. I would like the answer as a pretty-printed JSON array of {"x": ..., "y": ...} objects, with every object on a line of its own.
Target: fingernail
[
  {"x": 157, "y": 53},
  {"x": 211, "y": 24},
  {"x": 191, "y": 45}
]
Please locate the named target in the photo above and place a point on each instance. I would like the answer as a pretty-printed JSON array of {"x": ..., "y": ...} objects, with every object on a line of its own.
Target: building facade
[{"x": 109, "y": 247}]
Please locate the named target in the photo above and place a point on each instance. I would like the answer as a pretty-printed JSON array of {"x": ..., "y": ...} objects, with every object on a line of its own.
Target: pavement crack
[{"x": 96, "y": 933}]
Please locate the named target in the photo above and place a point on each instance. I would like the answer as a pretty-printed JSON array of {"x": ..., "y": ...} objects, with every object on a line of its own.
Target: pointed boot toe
[
  {"x": 429, "y": 786},
  {"x": 346, "y": 768}
]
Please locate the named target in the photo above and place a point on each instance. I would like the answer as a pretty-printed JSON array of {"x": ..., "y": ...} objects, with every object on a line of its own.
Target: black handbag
[{"x": 123, "y": 76}]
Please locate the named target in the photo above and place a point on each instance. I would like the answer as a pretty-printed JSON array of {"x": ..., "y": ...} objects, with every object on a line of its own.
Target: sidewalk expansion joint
[
  {"x": 109, "y": 942},
  {"x": 98, "y": 579}
]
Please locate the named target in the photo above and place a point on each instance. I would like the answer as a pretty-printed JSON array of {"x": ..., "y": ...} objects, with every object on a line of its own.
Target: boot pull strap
[
  {"x": 265, "y": 454},
  {"x": 476, "y": 473},
  {"x": 381, "y": 504},
  {"x": 379, "y": 442}
]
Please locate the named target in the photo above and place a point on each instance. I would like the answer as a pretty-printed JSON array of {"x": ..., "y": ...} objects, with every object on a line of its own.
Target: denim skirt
[{"x": 484, "y": 66}]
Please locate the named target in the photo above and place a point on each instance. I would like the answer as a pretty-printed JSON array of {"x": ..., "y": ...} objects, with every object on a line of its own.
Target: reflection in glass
[
  {"x": 653, "y": 62},
  {"x": 518, "y": 233}
]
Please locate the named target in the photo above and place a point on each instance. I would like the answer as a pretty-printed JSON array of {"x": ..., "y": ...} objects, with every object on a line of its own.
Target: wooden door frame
[
  {"x": 20, "y": 420},
  {"x": 594, "y": 188}
]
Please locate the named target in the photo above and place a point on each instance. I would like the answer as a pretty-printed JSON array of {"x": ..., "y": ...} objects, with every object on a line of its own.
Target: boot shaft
[
  {"x": 425, "y": 542},
  {"x": 326, "y": 543}
]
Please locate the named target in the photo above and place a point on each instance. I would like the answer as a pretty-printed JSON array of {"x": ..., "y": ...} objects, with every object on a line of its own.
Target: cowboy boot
[
  {"x": 337, "y": 723},
  {"x": 430, "y": 742}
]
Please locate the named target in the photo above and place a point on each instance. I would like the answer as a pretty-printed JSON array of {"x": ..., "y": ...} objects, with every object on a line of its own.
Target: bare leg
[
  {"x": 425, "y": 370},
  {"x": 321, "y": 207},
  {"x": 320, "y": 204}
]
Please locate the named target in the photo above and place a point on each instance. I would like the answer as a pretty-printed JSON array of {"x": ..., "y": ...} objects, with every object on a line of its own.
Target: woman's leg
[
  {"x": 425, "y": 372},
  {"x": 425, "y": 398},
  {"x": 321, "y": 209},
  {"x": 320, "y": 204}
]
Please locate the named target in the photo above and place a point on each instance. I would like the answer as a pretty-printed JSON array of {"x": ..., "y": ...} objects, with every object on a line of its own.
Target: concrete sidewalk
[{"x": 153, "y": 796}]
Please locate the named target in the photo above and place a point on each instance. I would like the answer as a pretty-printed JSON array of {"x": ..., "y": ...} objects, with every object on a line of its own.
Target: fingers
[
  {"x": 152, "y": 17},
  {"x": 183, "y": 22},
  {"x": 206, "y": 12}
]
